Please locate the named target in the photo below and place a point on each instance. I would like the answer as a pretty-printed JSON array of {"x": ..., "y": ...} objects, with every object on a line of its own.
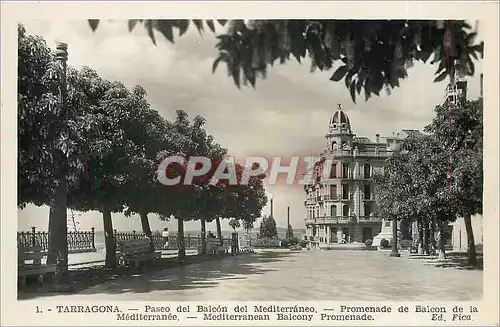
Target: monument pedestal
[{"x": 385, "y": 233}]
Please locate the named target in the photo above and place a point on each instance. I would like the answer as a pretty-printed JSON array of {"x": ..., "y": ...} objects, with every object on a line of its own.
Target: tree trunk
[
  {"x": 59, "y": 232},
  {"x": 432, "y": 234},
  {"x": 425, "y": 244},
  {"x": 219, "y": 231},
  {"x": 441, "y": 240},
  {"x": 203, "y": 236},
  {"x": 395, "y": 252},
  {"x": 420, "y": 237},
  {"x": 181, "y": 244},
  {"x": 109, "y": 238},
  {"x": 471, "y": 244},
  {"x": 146, "y": 228},
  {"x": 52, "y": 247}
]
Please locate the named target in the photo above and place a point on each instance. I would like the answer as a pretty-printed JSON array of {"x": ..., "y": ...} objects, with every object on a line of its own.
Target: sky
[{"x": 286, "y": 114}]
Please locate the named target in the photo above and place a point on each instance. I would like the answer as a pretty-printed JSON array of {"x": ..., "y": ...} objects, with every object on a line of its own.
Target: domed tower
[{"x": 339, "y": 135}]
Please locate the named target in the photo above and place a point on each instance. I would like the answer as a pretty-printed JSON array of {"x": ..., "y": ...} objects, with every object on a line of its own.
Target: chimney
[{"x": 377, "y": 138}]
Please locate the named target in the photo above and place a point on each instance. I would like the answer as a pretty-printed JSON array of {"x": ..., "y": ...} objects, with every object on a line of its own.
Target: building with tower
[{"x": 340, "y": 204}]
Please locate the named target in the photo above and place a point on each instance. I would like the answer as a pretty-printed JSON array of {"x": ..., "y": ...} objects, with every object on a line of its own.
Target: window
[
  {"x": 345, "y": 170},
  {"x": 367, "y": 171},
  {"x": 334, "y": 145},
  {"x": 333, "y": 191},
  {"x": 368, "y": 210},
  {"x": 333, "y": 211},
  {"x": 333, "y": 171},
  {"x": 345, "y": 210},
  {"x": 367, "y": 191},
  {"x": 345, "y": 191}
]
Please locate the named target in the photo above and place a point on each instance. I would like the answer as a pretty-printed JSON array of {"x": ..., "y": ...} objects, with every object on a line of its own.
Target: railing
[
  {"x": 78, "y": 241},
  {"x": 247, "y": 242},
  {"x": 191, "y": 242},
  {"x": 84, "y": 241},
  {"x": 309, "y": 221},
  {"x": 338, "y": 152},
  {"x": 334, "y": 220}
]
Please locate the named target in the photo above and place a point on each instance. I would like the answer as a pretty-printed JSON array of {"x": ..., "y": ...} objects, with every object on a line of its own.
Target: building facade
[{"x": 340, "y": 202}]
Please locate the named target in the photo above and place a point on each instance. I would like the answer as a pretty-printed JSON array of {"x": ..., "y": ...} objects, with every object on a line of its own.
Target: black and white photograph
[{"x": 294, "y": 160}]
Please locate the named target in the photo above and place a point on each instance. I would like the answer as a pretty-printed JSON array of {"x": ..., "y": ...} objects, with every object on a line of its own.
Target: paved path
[{"x": 315, "y": 275}]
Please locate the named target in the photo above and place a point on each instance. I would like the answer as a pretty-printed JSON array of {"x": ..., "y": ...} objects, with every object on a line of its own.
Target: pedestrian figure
[
  {"x": 165, "y": 237},
  {"x": 343, "y": 239}
]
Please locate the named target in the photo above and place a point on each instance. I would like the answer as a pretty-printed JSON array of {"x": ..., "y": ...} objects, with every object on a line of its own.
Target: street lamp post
[
  {"x": 394, "y": 252},
  {"x": 288, "y": 236},
  {"x": 272, "y": 206},
  {"x": 61, "y": 166}
]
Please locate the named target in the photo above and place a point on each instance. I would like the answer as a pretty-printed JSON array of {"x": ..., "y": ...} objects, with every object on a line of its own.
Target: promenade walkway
[{"x": 315, "y": 275}]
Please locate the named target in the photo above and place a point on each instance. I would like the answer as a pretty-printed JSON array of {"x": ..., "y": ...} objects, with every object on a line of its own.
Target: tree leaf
[
  {"x": 165, "y": 27},
  {"x": 441, "y": 76},
  {"x": 132, "y": 23},
  {"x": 149, "y": 28},
  {"x": 216, "y": 63},
  {"x": 183, "y": 25},
  {"x": 424, "y": 55},
  {"x": 199, "y": 24},
  {"x": 359, "y": 85},
  {"x": 93, "y": 24},
  {"x": 352, "y": 90},
  {"x": 339, "y": 74},
  {"x": 210, "y": 24},
  {"x": 348, "y": 78},
  {"x": 471, "y": 70}
]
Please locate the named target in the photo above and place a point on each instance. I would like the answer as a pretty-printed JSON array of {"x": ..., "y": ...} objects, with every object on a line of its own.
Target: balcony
[
  {"x": 338, "y": 153},
  {"x": 334, "y": 220},
  {"x": 322, "y": 198},
  {"x": 310, "y": 221},
  {"x": 330, "y": 220},
  {"x": 379, "y": 153}
]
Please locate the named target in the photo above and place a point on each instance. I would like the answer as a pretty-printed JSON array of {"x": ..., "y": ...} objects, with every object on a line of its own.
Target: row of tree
[
  {"x": 437, "y": 177},
  {"x": 110, "y": 140}
]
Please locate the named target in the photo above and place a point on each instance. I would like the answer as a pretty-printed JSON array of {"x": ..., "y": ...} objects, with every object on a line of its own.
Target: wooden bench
[
  {"x": 137, "y": 252},
  {"x": 214, "y": 247},
  {"x": 25, "y": 269}
]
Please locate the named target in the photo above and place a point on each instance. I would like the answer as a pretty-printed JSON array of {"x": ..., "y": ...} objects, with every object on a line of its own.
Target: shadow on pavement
[
  {"x": 459, "y": 261},
  {"x": 200, "y": 275}
]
